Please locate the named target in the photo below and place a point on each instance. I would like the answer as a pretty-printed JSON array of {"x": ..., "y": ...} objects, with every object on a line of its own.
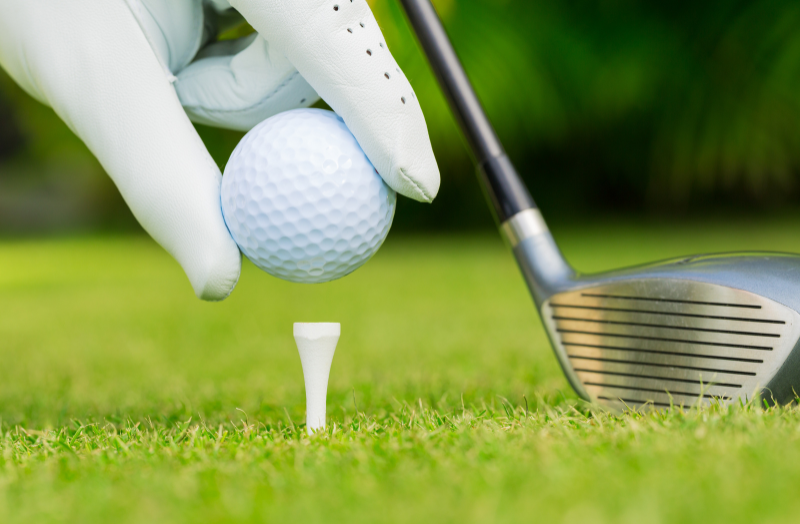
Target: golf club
[{"x": 700, "y": 329}]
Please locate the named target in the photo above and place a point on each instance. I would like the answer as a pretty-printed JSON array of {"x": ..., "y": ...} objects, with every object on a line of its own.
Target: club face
[
  {"x": 695, "y": 330},
  {"x": 669, "y": 341}
]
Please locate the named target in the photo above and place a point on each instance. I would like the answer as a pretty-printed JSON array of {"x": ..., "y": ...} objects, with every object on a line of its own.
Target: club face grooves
[{"x": 663, "y": 342}]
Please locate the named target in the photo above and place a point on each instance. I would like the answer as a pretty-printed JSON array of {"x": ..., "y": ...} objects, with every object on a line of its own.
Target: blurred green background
[{"x": 606, "y": 106}]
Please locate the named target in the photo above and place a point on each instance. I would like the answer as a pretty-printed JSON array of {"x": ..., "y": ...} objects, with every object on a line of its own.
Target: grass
[{"x": 124, "y": 398}]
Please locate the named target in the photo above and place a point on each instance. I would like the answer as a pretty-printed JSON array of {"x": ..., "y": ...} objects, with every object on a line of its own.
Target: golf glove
[{"x": 124, "y": 75}]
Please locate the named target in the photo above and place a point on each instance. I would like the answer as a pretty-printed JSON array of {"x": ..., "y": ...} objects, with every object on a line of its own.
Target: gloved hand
[{"x": 119, "y": 71}]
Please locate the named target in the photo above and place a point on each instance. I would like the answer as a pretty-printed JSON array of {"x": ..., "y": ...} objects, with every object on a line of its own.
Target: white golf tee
[{"x": 316, "y": 343}]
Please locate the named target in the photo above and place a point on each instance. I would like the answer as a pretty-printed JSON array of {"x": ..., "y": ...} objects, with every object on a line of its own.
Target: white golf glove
[{"x": 121, "y": 72}]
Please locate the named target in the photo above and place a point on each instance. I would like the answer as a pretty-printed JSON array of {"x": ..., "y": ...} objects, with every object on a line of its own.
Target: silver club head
[{"x": 718, "y": 328}]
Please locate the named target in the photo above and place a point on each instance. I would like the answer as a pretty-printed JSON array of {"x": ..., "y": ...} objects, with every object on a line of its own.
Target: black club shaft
[{"x": 506, "y": 190}]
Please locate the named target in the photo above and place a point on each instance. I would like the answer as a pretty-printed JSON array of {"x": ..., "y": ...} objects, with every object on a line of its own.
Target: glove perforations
[{"x": 370, "y": 52}]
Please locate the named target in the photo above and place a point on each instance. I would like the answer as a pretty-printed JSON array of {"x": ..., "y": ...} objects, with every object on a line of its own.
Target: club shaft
[{"x": 505, "y": 188}]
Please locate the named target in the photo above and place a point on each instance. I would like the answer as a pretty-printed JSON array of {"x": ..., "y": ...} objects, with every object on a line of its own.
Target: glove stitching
[
  {"x": 416, "y": 186},
  {"x": 233, "y": 286},
  {"x": 239, "y": 274},
  {"x": 212, "y": 274},
  {"x": 215, "y": 168},
  {"x": 263, "y": 101},
  {"x": 136, "y": 7},
  {"x": 35, "y": 88}
]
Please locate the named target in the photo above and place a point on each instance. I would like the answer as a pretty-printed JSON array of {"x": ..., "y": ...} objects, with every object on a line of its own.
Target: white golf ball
[{"x": 302, "y": 200}]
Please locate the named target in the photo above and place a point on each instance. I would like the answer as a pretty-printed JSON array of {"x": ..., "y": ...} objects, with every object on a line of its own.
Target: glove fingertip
[
  {"x": 219, "y": 278},
  {"x": 422, "y": 187}
]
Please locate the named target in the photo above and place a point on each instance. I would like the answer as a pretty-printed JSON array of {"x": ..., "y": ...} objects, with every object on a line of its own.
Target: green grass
[{"x": 124, "y": 399}]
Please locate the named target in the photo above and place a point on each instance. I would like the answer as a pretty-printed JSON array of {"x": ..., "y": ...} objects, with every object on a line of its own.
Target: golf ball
[{"x": 302, "y": 200}]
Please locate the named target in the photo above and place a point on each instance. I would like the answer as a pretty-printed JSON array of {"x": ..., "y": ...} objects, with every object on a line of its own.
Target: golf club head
[{"x": 701, "y": 329}]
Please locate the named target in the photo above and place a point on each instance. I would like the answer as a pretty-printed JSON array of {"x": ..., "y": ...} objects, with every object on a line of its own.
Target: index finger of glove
[{"x": 339, "y": 49}]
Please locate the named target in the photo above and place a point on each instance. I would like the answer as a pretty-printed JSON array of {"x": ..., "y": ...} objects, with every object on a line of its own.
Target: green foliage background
[{"x": 604, "y": 105}]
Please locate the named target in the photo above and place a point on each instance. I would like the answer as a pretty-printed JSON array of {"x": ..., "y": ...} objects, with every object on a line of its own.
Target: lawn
[{"x": 125, "y": 399}]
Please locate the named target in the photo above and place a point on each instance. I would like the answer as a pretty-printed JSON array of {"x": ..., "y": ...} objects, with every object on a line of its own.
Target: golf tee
[{"x": 316, "y": 343}]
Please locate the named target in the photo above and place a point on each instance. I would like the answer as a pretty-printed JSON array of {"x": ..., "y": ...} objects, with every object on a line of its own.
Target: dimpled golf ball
[{"x": 302, "y": 200}]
